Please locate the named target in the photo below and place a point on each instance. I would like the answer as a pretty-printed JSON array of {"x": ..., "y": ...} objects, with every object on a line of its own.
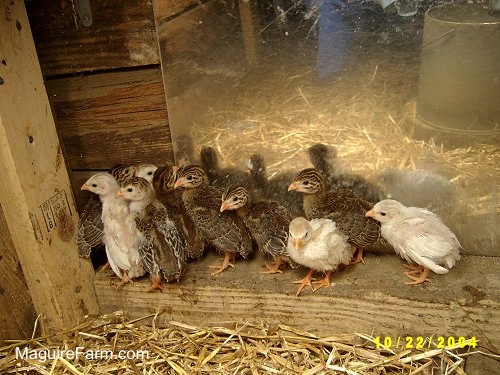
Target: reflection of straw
[{"x": 364, "y": 119}]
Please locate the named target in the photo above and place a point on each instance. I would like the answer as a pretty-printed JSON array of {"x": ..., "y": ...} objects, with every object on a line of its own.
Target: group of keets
[{"x": 153, "y": 220}]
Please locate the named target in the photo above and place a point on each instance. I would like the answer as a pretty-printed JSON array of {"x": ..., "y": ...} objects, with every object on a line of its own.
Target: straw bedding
[{"x": 236, "y": 348}]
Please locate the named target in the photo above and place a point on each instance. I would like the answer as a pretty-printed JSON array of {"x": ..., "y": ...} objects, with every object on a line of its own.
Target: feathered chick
[
  {"x": 319, "y": 245},
  {"x": 419, "y": 236},
  {"x": 118, "y": 229},
  {"x": 340, "y": 205},
  {"x": 90, "y": 232},
  {"x": 160, "y": 244},
  {"x": 324, "y": 159},
  {"x": 224, "y": 230},
  {"x": 163, "y": 183},
  {"x": 222, "y": 178},
  {"x": 267, "y": 222},
  {"x": 146, "y": 171},
  {"x": 275, "y": 188}
]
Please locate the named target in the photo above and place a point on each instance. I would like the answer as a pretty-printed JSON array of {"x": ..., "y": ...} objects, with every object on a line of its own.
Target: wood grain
[
  {"x": 122, "y": 34},
  {"x": 370, "y": 299},
  {"x": 17, "y": 314},
  {"x": 117, "y": 117},
  {"x": 35, "y": 191}
]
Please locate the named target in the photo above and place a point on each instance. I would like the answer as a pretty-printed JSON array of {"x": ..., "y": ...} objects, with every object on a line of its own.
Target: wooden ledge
[{"x": 370, "y": 299}]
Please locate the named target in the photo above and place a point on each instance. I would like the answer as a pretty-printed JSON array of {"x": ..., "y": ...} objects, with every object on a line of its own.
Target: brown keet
[
  {"x": 267, "y": 222},
  {"x": 222, "y": 178},
  {"x": 324, "y": 158},
  {"x": 163, "y": 182},
  {"x": 159, "y": 241},
  {"x": 224, "y": 230},
  {"x": 340, "y": 205}
]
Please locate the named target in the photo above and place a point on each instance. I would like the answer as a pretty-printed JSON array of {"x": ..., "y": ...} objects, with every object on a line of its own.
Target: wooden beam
[
  {"x": 371, "y": 299},
  {"x": 118, "y": 117},
  {"x": 34, "y": 189},
  {"x": 17, "y": 314},
  {"x": 122, "y": 34}
]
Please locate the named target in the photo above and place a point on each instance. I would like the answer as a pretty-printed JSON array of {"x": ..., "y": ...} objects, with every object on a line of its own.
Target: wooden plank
[
  {"x": 34, "y": 189},
  {"x": 17, "y": 314},
  {"x": 122, "y": 34},
  {"x": 118, "y": 117},
  {"x": 370, "y": 299}
]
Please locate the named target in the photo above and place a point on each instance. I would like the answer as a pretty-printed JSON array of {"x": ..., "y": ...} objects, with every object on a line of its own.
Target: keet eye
[
  {"x": 235, "y": 199},
  {"x": 94, "y": 185},
  {"x": 150, "y": 173},
  {"x": 130, "y": 190},
  {"x": 126, "y": 171},
  {"x": 306, "y": 182},
  {"x": 189, "y": 178},
  {"x": 382, "y": 213}
]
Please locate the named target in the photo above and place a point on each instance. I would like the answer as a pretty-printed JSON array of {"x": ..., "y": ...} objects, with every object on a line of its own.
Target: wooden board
[
  {"x": 17, "y": 314},
  {"x": 370, "y": 299},
  {"x": 118, "y": 117},
  {"x": 122, "y": 34},
  {"x": 35, "y": 191}
]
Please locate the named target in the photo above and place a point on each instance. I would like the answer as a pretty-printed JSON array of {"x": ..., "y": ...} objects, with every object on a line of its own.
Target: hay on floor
[{"x": 235, "y": 348}]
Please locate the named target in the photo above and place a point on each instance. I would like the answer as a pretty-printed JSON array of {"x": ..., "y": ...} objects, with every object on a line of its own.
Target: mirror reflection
[{"x": 390, "y": 91}]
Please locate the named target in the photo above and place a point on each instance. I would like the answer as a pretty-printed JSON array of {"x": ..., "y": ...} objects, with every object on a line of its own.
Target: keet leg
[
  {"x": 304, "y": 282},
  {"x": 228, "y": 261},
  {"x": 125, "y": 279},
  {"x": 359, "y": 256},
  {"x": 422, "y": 278},
  {"x": 155, "y": 284},
  {"x": 274, "y": 268}
]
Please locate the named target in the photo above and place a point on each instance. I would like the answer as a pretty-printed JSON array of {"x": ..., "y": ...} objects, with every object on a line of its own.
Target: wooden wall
[
  {"x": 104, "y": 83},
  {"x": 16, "y": 321}
]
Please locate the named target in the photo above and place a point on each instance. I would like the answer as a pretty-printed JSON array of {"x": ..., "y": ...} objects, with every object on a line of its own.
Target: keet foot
[
  {"x": 323, "y": 282},
  {"x": 229, "y": 259},
  {"x": 275, "y": 267},
  {"x": 307, "y": 280},
  {"x": 420, "y": 279},
  {"x": 155, "y": 285},
  {"x": 359, "y": 257},
  {"x": 125, "y": 280}
]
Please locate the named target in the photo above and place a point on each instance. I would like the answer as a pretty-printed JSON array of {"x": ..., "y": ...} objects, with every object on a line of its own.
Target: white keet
[
  {"x": 319, "y": 245},
  {"x": 419, "y": 236},
  {"x": 118, "y": 229}
]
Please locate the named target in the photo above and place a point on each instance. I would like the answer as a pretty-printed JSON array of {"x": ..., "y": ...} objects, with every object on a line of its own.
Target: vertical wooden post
[
  {"x": 35, "y": 192},
  {"x": 248, "y": 32}
]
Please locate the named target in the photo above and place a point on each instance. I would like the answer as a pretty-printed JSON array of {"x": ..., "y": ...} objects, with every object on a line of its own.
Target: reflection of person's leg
[{"x": 334, "y": 38}]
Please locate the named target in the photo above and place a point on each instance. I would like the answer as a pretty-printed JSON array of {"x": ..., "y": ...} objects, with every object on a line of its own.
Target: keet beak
[
  {"x": 297, "y": 243},
  {"x": 119, "y": 193},
  {"x": 293, "y": 186},
  {"x": 85, "y": 187},
  {"x": 224, "y": 206},
  {"x": 371, "y": 214},
  {"x": 179, "y": 183}
]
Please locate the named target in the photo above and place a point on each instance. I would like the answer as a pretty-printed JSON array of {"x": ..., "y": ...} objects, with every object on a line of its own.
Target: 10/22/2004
[{"x": 421, "y": 342}]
